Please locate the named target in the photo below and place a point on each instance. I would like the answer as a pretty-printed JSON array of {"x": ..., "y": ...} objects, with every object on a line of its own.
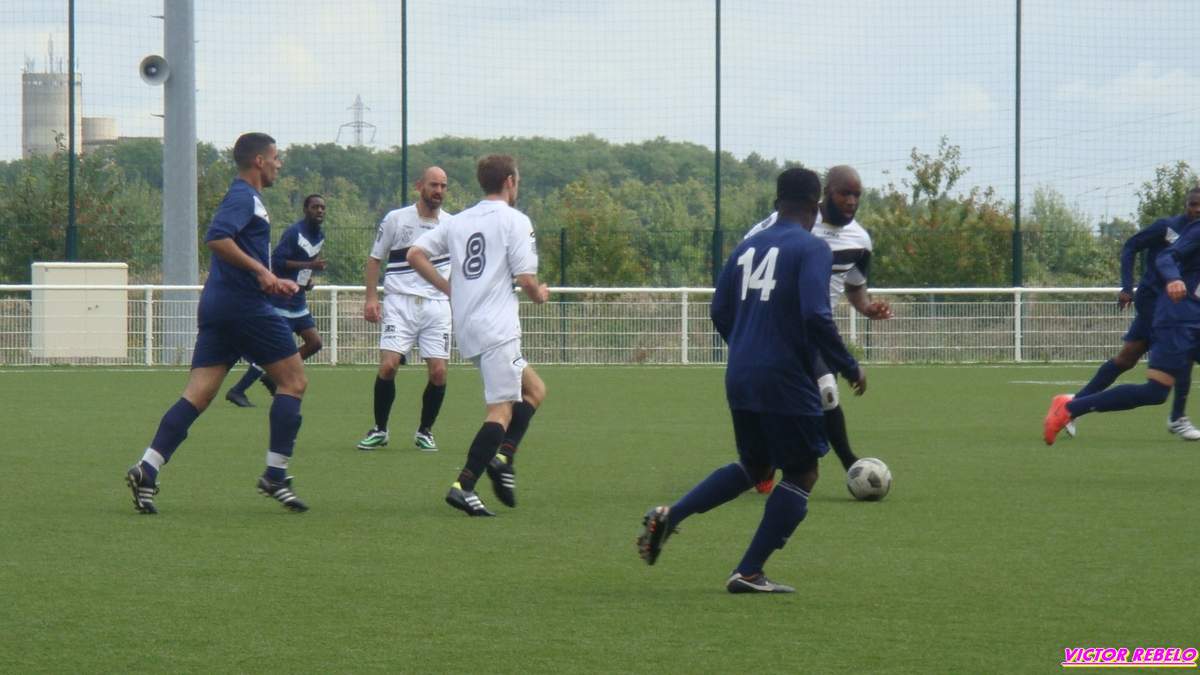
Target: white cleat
[
  {"x": 1184, "y": 429},
  {"x": 1070, "y": 429}
]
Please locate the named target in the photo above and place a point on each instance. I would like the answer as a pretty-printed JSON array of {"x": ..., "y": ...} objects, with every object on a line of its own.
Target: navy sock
[
  {"x": 1106, "y": 374},
  {"x": 431, "y": 404},
  {"x": 786, "y": 508},
  {"x": 172, "y": 429},
  {"x": 722, "y": 485},
  {"x": 385, "y": 394},
  {"x": 1124, "y": 397},
  {"x": 835, "y": 431},
  {"x": 285, "y": 424},
  {"x": 522, "y": 414},
  {"x": 1183, "y": 386},
  {"x": 251, "y": 376},
  {"x": 483, "y": 449}
]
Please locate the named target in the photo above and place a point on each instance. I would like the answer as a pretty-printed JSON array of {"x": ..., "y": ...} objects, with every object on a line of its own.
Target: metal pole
[
  {"x": 562, "y": 308},
  {"x": 717, "y": 239},
  {"x": 404, "y": 102},
  {"x": 333, "y": 326},
  {"x": 72, "y": 231},
  {"x": 180, "y": 264},
  {"x": 1016, "y": 243},
  {"x": 683, "y": 328}
]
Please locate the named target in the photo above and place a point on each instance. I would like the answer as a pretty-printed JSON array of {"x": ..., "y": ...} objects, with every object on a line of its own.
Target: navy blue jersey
[
  {"x": 231, "y": 292},
  {"x": 301, "y": 242},
  {"x": 1152, "y": 239},
  {"x": 1180, "y": 261},
  {"x": 771, "y": 306}
]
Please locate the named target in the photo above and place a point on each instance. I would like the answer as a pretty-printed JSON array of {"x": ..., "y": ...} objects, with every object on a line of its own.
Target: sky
[{"x": 1106, "y": 96}]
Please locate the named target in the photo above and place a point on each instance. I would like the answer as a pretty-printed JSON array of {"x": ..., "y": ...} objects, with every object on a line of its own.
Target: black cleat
[
  {"x": 756, "y": 583},
  {"x": 281, "y": 492},
  {"x": 504, "y": 480},
  {"x": 467, "y": 502},
  {"x": 268, "y": 383},
  {"x": 238, "y": 398},
  {"x": 654, "y": 535},
  {"x": 143, "y": 489}
]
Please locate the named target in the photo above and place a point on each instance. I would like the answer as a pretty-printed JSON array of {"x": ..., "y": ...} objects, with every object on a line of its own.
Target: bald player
[
  {"x": 851, "y": 246},
  {"x": 413, "y": 310}
]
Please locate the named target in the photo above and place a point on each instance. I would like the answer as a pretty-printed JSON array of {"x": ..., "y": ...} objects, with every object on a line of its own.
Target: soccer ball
[{"x": 869, "y": 480}]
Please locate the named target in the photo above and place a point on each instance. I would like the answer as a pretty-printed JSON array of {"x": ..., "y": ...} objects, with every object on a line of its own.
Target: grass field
[{"x": 992, "y": 553}]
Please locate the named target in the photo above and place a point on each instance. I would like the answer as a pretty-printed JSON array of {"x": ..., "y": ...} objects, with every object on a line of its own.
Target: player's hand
[
  {"x": 371, "y": 311},
  {"x": 1124, "y": 300},
  {"x": 542, "y": 294},
  {"x": 1176, "y": 290},
  {"x": 879, "y": 309},
  {"x": 860, "y": 385},
  {"x": 318, "y": 264},
  {"x": 268, "y": 282},
  {"x": 286, "y": 287},
  {"x": 310, "y": 285}
]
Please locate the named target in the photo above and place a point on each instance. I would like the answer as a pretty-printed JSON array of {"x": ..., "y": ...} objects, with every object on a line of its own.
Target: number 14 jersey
[{"x": 488, "y": 244}]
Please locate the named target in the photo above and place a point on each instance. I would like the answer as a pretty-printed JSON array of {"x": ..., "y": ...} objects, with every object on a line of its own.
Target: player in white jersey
[
  {"x": 413, "y": 310},
  {"x": 851, "y": 246},
  {"x": 490, "y": 245}
]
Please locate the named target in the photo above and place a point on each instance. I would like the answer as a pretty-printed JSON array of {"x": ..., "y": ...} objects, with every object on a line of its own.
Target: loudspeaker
[{"x": 154, "y": 69}]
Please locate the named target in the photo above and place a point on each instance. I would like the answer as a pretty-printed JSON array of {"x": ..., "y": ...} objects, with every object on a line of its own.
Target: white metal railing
[{"x": 155, "y": 325}]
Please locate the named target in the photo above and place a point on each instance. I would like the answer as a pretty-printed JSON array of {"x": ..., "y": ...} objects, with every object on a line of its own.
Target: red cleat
[
  {"x": 1057, "y": 418},
  {"x": 764, "y": 487}
]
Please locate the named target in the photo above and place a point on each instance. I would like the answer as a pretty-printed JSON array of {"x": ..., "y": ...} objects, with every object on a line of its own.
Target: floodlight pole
[
  {"x": 1016, "y": 243},
  {"x": 717, "y": 240},
  {"x": 180, "y": 263},
  {"x": 404, "y": 102},
  {"x": 72, "y": 226}
]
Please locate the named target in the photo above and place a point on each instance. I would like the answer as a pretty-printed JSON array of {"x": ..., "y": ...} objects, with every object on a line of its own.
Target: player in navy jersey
[
  {"x": 297, "y": 256},
  {"x": 771, "y": 306},
  {"x": 1152, "y": 240},
  {"x": 236, "y": 320},
  {"x": 1174, "y": 346}
]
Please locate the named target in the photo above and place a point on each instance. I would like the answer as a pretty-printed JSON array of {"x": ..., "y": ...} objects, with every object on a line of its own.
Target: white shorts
[
  {"x": 501, "y": 368},
  {"x": 409, "y": 319}
]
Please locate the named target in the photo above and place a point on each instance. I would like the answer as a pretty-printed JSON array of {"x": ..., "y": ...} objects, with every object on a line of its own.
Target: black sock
[
  {"x": 385, "y": 394},
  {"x": 835, "y": 430},
  {"x": 522, "y": 413},
  {"x": 431, "y": 404},
  {"x": 483, "y": 449}
]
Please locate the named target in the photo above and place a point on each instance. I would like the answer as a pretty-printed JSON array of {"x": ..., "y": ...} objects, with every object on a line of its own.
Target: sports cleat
[
  {"x": 424, "y": 441},
  {"x": 1184, "y": 429},
  {"x": 281, "y": 492},
  {"x": 375, "y": 438},
  {"x": 238, "y": 398},
  {"x": 1070, "y": 429},
  {"x": 655, "y": 531},
  {"x": 143, "y": 489},
  {"x": 1057, "y": 418},
  {"x": 504, "y": 480},
  {"x": 755, "y": 583},
  {"x": 764, "y": 487},
  {"x": 268, "y": 383},
  {"x": 467, "y": 502}
]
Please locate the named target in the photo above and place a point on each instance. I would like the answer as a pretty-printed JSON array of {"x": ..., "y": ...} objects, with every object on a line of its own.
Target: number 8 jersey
[{"x": 488, "y": 244}]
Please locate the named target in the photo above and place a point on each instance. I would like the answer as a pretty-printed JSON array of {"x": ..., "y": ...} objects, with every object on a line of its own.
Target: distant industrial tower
[
  {"x": 45, "y": 106},
  {"x": 358, "y": 124}
]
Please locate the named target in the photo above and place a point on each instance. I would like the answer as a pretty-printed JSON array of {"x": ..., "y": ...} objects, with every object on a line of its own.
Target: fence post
[
  {"x": 333, "y": 327},
  {"x": 1017, "y": 325},
  {"x": 853, "y": 326},
  {"x": 683, "y": 333},
  {"x": 148, "y": 300}
]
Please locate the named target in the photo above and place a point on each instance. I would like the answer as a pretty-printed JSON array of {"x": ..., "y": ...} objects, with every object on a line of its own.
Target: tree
[{"x": 1165, "y": 194}]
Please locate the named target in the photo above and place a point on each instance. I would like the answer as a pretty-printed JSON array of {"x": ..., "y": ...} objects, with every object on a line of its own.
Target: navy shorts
[
  {"x": 1142, "y": 326},
  {"x": 1175, "y": 348},
  {"x": 258, "y": 339},
  {"x": 300, "y": 324},
  {"x": 791, "y": 443}
]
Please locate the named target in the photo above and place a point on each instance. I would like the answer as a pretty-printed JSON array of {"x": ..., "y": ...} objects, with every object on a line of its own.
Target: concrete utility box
[{"x": 69, "y": 324}]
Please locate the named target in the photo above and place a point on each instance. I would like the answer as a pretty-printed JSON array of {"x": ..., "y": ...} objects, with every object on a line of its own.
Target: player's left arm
[
  {"x": 1169, "y": 259},
  {"x": 856, "y": 291},
  {"x": 523, "y": 259}
]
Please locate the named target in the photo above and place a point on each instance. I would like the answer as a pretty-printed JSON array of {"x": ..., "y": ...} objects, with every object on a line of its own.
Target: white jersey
[
  {"x": 851, "y": 246},
  {"x": 488, "y": 245},
  {"x": 398, "y": 230}
]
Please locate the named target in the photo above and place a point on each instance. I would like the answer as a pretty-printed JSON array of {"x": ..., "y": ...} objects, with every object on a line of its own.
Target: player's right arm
[
  {"x": 818, "y": 316},
  {"x": 379, "y": 252},
  {"x": 523, "y": 258},
  {"x": 1142, "y": 239},
  {"x": 433, "y": 243},
  {"x": 723, "y": 310},
  {"x": 233, "y": 214}
]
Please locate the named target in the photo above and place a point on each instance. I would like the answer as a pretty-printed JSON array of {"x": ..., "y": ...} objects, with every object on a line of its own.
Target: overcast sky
[{"x": 1107, "y": 96}]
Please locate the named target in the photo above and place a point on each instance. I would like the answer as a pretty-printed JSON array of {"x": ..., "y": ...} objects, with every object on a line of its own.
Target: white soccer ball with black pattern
[{"x": 869, "y": 480}]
